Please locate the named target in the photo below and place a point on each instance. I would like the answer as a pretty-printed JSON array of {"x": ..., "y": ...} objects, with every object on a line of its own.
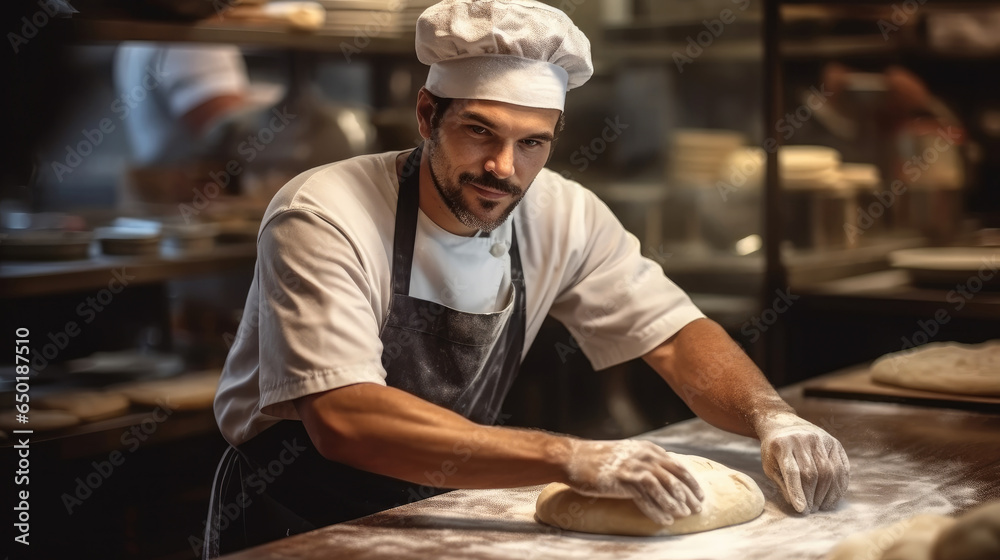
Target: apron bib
[{"x": 277, "y": 484}]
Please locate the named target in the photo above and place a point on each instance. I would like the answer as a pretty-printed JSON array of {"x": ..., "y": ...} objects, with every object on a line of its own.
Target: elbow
[
  {"x": 330, "y": 444},
  {"x": 336, "y": 440},
  {"x": 333, "y": 437}
]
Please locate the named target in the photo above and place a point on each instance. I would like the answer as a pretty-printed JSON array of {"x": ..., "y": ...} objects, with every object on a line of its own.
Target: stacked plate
[
  {"x": 373, "y": 18},
  {"x": 860, "y": 176},
  {"x": 819, "y": 205},
  {"x": 809, "y": 168},
  {"x": 699, "y": 156}
]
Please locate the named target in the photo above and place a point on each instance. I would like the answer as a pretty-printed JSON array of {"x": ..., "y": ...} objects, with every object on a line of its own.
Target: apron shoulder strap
[{"x": 405, "y": 234}]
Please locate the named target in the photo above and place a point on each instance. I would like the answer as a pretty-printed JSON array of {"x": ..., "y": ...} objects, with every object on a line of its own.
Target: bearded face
[{"x": 483, "y": 156}]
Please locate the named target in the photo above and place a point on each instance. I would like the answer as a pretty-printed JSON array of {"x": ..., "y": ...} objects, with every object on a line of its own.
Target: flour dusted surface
[{"x": 886, "y": 487}]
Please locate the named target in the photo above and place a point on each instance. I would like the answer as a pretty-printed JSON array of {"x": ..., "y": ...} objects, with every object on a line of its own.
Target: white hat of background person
[{"x": 516, "y": 51}]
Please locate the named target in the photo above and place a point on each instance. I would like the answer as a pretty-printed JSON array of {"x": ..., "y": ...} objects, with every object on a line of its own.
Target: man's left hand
[{"x": 808, "y": 464}]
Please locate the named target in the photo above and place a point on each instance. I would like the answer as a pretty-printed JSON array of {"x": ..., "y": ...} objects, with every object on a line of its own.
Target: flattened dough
[
  {"x": 89, "y": 406},
  {"x": 947, "y": 367},
  {"x": 39, "y": 420},
  {"x": 193, "y": 391},
  {"x": 731, "y": 497}
]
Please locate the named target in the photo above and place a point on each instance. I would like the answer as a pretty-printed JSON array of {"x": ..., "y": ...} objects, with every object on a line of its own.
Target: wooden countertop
[{"x": 905, "y": 460}]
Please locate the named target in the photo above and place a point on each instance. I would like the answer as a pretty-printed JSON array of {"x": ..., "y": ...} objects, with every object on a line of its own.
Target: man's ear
[{"x": 425, "y": 112}]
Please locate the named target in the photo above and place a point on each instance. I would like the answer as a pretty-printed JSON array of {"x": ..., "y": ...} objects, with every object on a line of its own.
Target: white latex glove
[
  {"x": 808, "y": 464},
  {"x": 641, "y": 470}
]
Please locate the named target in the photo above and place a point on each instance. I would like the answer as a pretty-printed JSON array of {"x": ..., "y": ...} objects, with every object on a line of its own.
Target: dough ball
[
  {"x": 731, "y": 497},
  {"x": 975, "y": 536},
  {"x": 910, "y": 539}
]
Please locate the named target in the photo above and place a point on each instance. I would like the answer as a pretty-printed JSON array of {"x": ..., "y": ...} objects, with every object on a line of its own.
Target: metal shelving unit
[
  {"x": 273, "y": 36},
  {"x": 27, "y": 279},
  {"x": 885, "y": 293}
]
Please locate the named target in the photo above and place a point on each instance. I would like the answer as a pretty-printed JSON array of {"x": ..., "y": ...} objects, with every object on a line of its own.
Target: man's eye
[
  {"x": 477, "y": 129},
  {"x": 531, "y": 143}
]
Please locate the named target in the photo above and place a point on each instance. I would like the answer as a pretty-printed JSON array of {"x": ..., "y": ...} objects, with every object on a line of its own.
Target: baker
[{"x": 395, "y": 295}]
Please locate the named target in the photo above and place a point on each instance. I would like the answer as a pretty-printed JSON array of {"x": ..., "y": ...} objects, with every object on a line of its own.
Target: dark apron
[{"x": 277, "y": 484}]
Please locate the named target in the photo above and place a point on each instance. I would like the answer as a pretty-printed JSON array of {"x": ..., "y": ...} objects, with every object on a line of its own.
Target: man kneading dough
[{"x": 396, "y": 294}]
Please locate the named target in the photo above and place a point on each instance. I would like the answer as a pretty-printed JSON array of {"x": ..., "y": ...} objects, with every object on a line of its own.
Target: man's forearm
[
  {"x": 390, "y": 432},
  {"x": 716, "y": 378}
]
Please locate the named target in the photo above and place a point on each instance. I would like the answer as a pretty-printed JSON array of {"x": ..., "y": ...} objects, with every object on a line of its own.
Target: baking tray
[
  {"x": 45, "y": 245},
  {"x": 949, "y": 266},
  {"x": 856, "y": 384},
  {"x": 128, "y": 241}
]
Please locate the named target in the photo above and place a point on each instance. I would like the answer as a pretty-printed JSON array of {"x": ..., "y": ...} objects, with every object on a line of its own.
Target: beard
[{"x": 451, "y": 191}]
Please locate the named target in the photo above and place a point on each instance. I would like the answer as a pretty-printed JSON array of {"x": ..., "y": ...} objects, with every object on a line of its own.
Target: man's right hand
[
  {"x": 393, "y": 433},
  {"x": 641, "y": 470}
]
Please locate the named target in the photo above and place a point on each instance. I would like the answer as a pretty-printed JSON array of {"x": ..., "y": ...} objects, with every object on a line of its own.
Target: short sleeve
[
  {"x": 317, "y": 326},
  {"x": 618, "y": 304},
  {"x": 193, "y": 75}
]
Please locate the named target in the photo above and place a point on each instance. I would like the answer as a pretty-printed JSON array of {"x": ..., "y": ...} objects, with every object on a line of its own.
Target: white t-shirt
[
  {"x": 322, "y": 285},
  {"x": 158, "y": 83},
  {"x": 470, "y": 274}
]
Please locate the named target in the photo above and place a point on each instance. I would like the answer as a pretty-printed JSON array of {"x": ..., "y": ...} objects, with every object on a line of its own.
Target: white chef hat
[{"x": 517, "y": 51}]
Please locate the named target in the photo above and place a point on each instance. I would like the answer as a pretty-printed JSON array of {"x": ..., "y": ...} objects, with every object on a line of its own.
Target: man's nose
[{"x": 501, "y": 162}]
